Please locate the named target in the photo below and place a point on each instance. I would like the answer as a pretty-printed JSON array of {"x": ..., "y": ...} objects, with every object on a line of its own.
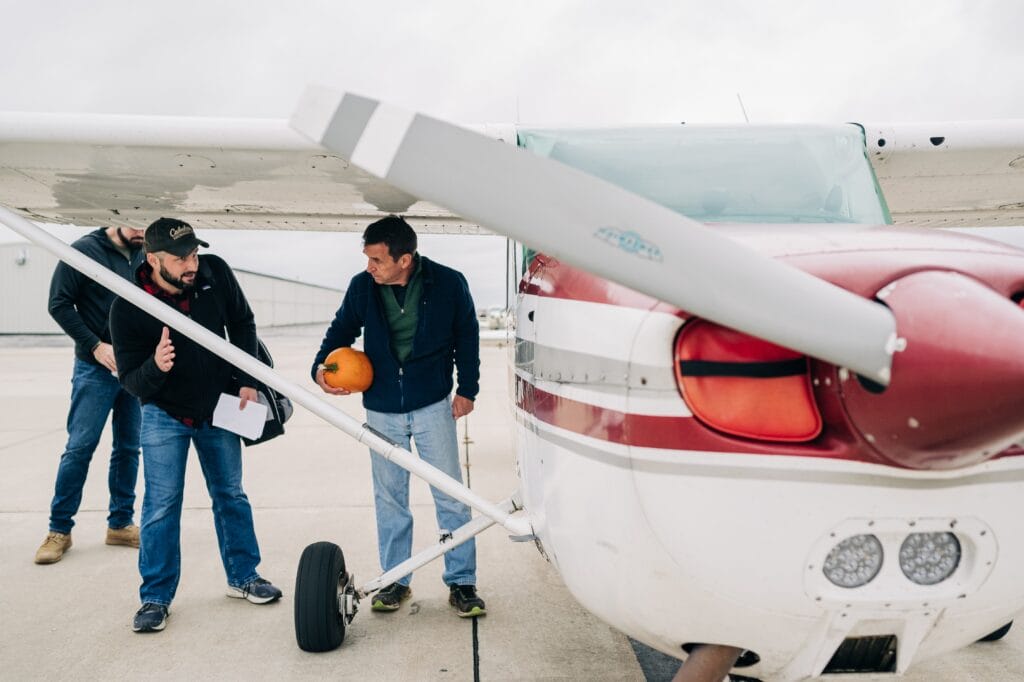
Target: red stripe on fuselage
[
  {"x": 871, "y": 260},
  {"x": 669, "y": 433},
  {"x": 677, "y": 433}
]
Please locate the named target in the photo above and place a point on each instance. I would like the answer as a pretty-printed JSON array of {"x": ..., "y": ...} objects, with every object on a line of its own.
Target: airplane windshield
[{"x": 762, "y": 174}]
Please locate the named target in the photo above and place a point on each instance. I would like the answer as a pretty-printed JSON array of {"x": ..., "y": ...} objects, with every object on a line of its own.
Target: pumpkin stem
[{"x": 331, "y": 367}]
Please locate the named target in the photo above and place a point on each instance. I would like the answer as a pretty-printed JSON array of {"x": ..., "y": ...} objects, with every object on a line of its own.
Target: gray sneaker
[
  {"x": 150, "y": 618},
  {"x": 258, "y": 591}
]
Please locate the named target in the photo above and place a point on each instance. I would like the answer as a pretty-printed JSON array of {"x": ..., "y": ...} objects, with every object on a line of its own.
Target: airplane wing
[
  {"x": 952, "y": 174},
  {"x": 226, "y": 173},
  {"x": 260, "y": 174}
]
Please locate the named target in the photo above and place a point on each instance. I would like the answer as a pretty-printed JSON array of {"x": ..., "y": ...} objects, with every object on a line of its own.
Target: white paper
[{"x": 248, "y": 422}]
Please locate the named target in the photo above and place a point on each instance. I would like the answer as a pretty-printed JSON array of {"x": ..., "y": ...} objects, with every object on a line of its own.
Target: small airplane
[
  {"x": 749, "y": 411},
  {"x": 494, "y": 317}
]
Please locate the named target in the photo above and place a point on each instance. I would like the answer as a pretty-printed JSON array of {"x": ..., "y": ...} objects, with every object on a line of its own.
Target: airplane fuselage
[{"x": 678, "y": 532}]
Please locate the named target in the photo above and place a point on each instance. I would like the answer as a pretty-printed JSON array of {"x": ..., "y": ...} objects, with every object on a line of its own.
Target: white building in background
[
  {"x": 25, "y": 271},
  {"x": 278, "y": 302}
]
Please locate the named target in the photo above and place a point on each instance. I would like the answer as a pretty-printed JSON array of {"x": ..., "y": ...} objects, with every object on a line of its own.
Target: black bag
[{"x": 279, "y": 407}]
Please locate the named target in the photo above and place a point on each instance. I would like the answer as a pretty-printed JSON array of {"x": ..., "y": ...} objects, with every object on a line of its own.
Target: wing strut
[{"x": 517, "y": 526}]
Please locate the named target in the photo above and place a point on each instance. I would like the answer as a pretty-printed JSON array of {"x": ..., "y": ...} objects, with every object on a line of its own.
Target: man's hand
[
  {"x": 164, "y": 355},
  {"x": 327, "y": 388},
  {"x": 104, "y": 354},
  {"x": 246, "y": 394},
  {"x": 461, "y": 406}
]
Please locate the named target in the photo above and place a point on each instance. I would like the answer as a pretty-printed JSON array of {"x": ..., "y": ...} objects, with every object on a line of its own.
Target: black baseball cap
[{"x": 173, "y": 236}]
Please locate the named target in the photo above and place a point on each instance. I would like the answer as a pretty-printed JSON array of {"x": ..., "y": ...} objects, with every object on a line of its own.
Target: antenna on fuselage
[{"x": 743, "y": 108}]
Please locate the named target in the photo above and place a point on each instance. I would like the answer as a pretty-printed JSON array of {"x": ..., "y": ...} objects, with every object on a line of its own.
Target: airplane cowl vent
[{"x": 864, "y": 655}]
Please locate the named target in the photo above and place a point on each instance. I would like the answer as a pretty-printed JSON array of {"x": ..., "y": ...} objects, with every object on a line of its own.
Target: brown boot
[
  {"x": 53, "y": 548},
  {"x": 127, "y": 536}
]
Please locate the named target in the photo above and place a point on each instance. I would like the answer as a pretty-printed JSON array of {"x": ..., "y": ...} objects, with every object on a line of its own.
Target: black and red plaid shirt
[{"x": 182, "y": 301}]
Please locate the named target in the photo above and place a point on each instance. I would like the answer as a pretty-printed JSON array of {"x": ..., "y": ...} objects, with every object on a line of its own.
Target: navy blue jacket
[
  {"x": 80, "y": 305},
  {"x": 447, "y": 336}
]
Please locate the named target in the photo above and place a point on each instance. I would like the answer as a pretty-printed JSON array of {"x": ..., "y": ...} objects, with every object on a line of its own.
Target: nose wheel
[{"x": 325, "y": 598}]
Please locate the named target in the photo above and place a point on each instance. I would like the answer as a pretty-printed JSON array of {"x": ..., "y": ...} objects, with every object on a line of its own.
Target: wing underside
[
  {"x": 260, "y": 174},
  {"x": 952, "y": 174},
  {"x": 251, "y": 174}
]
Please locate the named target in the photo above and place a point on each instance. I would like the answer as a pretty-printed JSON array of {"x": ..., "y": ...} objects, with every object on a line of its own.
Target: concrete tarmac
[{"x": 72, "y": 620}]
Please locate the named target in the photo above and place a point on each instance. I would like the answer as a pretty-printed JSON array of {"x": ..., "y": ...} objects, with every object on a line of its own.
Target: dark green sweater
[{"x": 402, "y": 316}]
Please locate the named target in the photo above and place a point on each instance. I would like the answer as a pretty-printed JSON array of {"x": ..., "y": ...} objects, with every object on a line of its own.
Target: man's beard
[
  {"x": 134, "y": 242},
  {"x": 175, "y": 282}
]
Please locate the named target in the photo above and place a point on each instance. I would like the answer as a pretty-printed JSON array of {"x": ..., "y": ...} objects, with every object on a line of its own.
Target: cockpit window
[{"x": 762, "y": 174}]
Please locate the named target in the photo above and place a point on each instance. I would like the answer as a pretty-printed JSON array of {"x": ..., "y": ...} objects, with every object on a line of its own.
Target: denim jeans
[
  {"x": 165, "y": 444},
  {"x": 432, "y": 428},
  {"x": 95, "y": 392}
]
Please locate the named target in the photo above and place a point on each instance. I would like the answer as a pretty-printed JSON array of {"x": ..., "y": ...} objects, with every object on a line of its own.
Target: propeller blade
[{"x": 604, "y": 229}]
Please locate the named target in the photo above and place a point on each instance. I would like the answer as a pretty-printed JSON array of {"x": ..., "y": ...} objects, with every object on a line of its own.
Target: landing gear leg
[{"x": 708, "y": 663}]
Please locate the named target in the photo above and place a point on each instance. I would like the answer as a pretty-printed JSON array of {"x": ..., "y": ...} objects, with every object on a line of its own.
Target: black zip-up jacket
[
  {"x": 447, "y": 338},
  {"x": 194, "y": 384},
  {"x": 80, "y": 305}
]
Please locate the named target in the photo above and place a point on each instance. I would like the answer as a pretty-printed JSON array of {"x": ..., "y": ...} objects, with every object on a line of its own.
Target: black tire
[
  {"x": 319, "y": 624},
  {"x": 998, "y": 634}
]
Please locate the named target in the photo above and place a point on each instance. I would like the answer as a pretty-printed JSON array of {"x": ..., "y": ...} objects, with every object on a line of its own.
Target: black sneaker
[
  {"x": 466, "y": 602},
  {"x": 391, "y": 597},
  {"x": 258, "y": 591},
  {"x": 150, "y": 618}
]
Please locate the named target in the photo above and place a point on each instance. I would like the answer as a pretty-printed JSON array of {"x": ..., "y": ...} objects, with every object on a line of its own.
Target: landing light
[
  {"x": 854, "y": 562},
  {"x": 929, "y": 558}
]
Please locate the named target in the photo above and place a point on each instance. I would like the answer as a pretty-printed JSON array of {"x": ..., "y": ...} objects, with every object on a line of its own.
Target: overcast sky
[
  {"x": 556, "y": 62},
  {"x": 538, "y": 62}
]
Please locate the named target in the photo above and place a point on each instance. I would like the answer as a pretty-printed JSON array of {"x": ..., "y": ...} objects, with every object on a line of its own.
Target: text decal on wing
[{"x": 630, "y": 242}]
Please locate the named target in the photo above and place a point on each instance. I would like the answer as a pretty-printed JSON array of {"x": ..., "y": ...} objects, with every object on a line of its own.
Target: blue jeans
[
  {"x": 95, "y": 392},
  {"x": 165, "y": 442},
  {"x": 433, "y": 429}
]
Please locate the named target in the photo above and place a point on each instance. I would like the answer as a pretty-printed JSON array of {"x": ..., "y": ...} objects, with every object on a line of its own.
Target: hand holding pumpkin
[
  {"x": 345, "y": 370},
  {"x": 327, "y": 388}
]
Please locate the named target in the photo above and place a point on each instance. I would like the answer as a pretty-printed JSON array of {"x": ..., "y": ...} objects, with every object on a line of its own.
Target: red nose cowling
[{"x": 957, "y": 391}]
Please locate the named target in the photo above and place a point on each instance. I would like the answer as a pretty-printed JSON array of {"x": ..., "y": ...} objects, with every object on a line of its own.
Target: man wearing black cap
[
  {"x": 81, "y": 307},
  {"x": 179, "y": 383}
]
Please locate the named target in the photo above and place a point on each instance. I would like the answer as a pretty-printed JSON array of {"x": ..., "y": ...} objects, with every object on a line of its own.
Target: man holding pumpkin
[{"x": 420, "y": 324}]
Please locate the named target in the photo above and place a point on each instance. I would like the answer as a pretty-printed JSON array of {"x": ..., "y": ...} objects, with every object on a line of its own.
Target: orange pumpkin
[{"x": 349, "y": 369}]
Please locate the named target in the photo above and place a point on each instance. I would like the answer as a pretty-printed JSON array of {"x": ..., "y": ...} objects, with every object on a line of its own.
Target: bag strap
[{"x": 263, "y": 353}]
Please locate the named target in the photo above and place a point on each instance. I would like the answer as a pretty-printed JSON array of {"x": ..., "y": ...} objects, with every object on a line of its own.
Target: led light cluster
[
  {"x": 854, "y": 562},
  {"x": 929, "y": 558},
  {"x": 925, "y": 559}
]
